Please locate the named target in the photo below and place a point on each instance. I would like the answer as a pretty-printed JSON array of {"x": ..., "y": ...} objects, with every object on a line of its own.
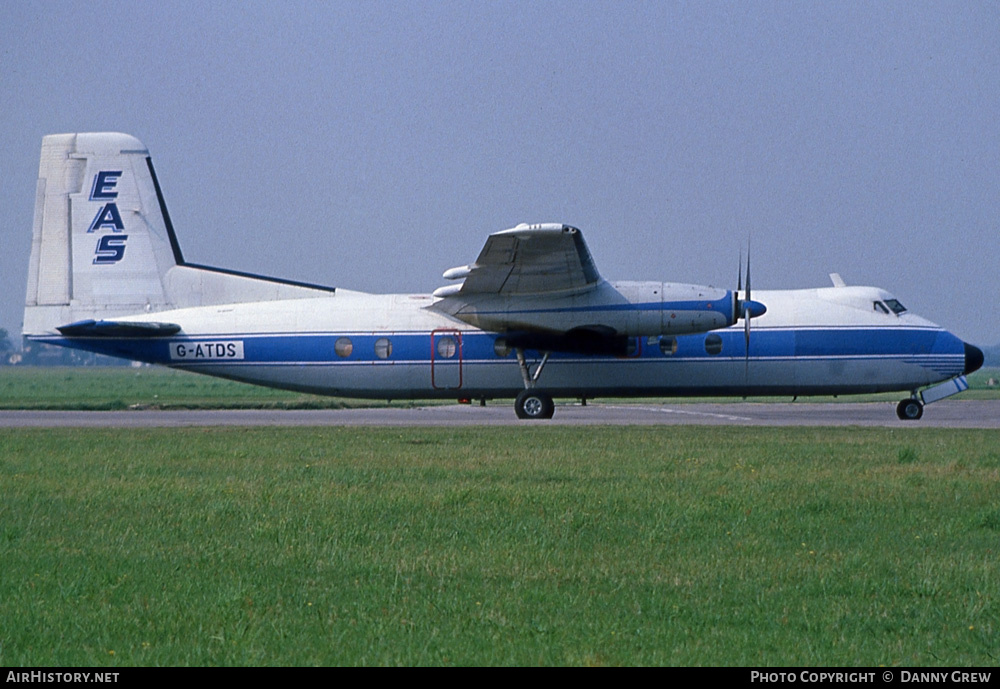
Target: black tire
[
  {"x": 533, "y": 404},
  {"x": 909, "y": 410}
]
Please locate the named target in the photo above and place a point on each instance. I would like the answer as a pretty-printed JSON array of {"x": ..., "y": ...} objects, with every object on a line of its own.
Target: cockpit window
[
  {"x": 896, "y": 307},
  {"x": 880, "y": 307}
]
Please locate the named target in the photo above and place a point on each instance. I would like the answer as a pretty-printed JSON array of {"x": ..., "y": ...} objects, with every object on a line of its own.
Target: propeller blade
[
  {"x": 739, "y": 280},
  {"x": 746, "y": 322},
  {"x": 746, "y": 337}
]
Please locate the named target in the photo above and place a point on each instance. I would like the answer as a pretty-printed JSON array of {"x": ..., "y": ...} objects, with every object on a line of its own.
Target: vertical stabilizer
[
  {"x": 103, "y": 246},
  {"x": 100, "y": 245}
]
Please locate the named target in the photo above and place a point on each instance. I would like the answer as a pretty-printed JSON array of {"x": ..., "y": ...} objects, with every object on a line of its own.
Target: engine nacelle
[{"x": 626, "y": 309}]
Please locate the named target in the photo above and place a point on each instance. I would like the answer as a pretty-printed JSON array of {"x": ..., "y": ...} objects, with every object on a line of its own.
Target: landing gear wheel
[
  {"x": 532, "y": 404},
  {"x": 909, "y": 410}
]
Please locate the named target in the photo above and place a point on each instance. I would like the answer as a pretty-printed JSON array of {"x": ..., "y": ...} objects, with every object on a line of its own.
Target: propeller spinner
[{"x": 747, "y": 306}]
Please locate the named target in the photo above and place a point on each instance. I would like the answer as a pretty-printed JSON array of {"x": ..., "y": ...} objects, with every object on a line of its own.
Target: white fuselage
[{"x": 814, "y": 341}]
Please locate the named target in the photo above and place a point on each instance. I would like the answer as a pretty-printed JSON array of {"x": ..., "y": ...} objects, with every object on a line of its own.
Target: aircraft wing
[
  {"x": 538, "y": 286},
  {"x": 528, "y": 260}
]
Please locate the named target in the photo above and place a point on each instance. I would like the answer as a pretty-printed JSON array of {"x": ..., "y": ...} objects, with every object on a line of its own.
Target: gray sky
[{"x": 372, "y": 145}]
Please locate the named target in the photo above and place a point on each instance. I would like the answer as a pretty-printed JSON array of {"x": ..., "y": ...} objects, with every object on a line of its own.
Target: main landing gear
[
  {"x": 532, "y": 403},
  {"x": 910, "y": 409}
]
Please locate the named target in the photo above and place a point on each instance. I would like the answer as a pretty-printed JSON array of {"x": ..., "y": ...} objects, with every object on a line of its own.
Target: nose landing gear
[{"x": 909, "y": 409}]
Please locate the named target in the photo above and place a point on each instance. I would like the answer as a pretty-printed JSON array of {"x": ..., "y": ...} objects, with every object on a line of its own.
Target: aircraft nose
[{"x": 973, "y": 358}]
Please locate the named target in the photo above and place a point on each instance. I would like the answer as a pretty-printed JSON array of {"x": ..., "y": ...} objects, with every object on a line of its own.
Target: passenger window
[
  {"x": 446, "y": 347},
  {"x": 500, "y": 347},
  {"x": 713, "y": 344},
  {"x": 343, "y": 346},
  {"x": 668, "y": 345},
  {"x": 383, "y": 348}
]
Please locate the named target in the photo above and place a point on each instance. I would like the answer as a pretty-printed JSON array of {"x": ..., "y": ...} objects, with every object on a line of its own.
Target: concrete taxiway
[{"x": 946, "y": 414}]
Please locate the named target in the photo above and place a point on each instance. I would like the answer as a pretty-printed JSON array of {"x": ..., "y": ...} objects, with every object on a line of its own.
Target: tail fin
[
  {"x": 100, "y": 245},
  {"x": 103, "y": 245}
]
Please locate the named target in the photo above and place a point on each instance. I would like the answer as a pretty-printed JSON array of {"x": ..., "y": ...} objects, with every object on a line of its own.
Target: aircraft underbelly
[{"x": 577, "y": 378}]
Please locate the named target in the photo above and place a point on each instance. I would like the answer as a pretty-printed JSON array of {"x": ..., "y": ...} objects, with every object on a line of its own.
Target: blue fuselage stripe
[{"x": 928, "y": 344}]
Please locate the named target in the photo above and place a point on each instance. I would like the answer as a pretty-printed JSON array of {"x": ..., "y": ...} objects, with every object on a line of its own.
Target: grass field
[
  {"x": 524, "y": 546},
  {"x": 101, "y": 388}
]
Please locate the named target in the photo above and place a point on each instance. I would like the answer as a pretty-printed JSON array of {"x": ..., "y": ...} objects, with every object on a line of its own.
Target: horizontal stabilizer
[{"x": 92, "y": 328}]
